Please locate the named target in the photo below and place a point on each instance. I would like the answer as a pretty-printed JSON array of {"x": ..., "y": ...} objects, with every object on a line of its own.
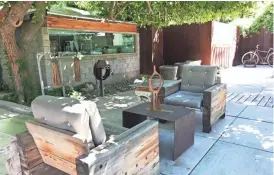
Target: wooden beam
[
  {"x": 136, "y": 151},
  {"x": 58, "y": 148},
  {"x": 25, "y": 159},
  {"x": 80, "y": 24}
]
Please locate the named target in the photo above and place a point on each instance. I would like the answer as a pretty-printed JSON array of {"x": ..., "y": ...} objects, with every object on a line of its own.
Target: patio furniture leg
[
  {"x": 206, "y": 120},
  {"x": 207, "y": 129},
  {"x": 223, "y": 116}
]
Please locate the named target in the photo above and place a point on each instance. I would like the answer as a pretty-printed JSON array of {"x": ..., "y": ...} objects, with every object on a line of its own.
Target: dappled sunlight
[
  {"x": 252, "y": 134},
  {"x": 116, "y": 101},
  {"x": 267, "y": 142},
  {"x": 119, "y": 102},
  {"x": 7, "y": 114},
  {"x": 218, "y": 128}
]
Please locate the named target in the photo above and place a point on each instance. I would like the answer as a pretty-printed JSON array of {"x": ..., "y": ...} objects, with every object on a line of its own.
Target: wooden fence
[{"x": 264, "y": 39}]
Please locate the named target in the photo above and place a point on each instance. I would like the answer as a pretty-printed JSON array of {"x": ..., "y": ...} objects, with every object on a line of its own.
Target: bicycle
[{"x": 255, "y": 57}]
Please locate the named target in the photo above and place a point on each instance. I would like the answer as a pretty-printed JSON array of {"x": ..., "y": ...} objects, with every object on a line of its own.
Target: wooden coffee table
[{"x": 182, "y": 118}]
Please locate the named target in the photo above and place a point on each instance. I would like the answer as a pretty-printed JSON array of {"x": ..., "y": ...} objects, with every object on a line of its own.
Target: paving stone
[
  {"x": 234, "y": 109},
  {"x": 217, "y": 129},
  {"x": 243, "y": 89},
  {"x": 187, "y": 161},
  {"x": 251, "y": 133},
  {"x": 230, "y": 159},
  {"x": 258, "y": 113}
]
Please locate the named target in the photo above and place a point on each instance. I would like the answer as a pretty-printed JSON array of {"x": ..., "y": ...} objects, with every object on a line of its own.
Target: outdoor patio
[{"x": 242, "y": 143}]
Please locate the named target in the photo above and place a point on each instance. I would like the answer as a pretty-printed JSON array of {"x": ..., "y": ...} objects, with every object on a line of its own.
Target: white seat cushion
[{"x": 79, "y": 116}]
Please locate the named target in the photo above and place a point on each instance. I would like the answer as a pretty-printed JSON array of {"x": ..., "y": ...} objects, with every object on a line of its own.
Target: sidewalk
[{"x": 242, "y": 143}]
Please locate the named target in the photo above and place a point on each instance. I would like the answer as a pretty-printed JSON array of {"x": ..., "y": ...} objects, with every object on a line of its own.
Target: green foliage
[
  {"x": 30, "y": 90},
  {"x": 165, "y": 13},
  {"x": 265, "y": 20},
  {"x": 70, "y": 91},
  {"x": 29, "y": 87},
  {"x": 12, "y": 97},
  {"x": 8, "y": 66}
]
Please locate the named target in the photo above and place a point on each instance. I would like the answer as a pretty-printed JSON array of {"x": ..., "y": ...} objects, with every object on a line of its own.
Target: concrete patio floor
[{"x": 240, "y": 144}]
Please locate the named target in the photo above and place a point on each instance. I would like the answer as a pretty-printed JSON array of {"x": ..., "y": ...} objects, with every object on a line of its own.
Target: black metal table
[{"x": 182, "y": 118}]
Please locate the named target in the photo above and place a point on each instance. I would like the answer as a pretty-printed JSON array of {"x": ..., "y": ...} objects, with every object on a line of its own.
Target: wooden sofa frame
[
  {"x": 213, "y": 104},
  {"x": 129, "y": 151}
]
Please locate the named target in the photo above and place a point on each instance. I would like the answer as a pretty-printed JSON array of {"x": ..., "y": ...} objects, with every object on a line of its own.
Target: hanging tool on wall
[
  {"x": 102, "y": 70},
  {"x": 77, "y": 75},
  {"x": 56, "y": 78}
]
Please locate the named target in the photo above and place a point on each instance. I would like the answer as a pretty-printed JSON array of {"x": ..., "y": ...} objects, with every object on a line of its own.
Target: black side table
[{"x": 182, "y": 118}]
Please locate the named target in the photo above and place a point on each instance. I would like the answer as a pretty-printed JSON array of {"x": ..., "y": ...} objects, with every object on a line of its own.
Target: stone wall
[{"x": 125, "y": 66}]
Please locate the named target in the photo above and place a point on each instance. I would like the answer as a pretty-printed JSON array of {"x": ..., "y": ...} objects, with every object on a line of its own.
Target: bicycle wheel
[
  {"x": 250, "y": 58},
  {"x": 270, "y": 59}
]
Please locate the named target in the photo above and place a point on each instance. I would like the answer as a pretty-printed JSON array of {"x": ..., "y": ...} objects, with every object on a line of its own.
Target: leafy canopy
[
  {"x": 265, "y": 21},
  {"x": 160, "y": 13},
  {"x": 165, "y": 13}
]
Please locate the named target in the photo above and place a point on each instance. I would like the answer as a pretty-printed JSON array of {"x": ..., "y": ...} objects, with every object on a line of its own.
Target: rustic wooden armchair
[
  {"x": 51, "y": 145},
  {"x": 200, "y": 88}
]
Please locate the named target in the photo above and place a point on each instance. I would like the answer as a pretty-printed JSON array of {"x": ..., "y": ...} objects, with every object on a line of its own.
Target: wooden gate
[{"x": 222, "y": 56}]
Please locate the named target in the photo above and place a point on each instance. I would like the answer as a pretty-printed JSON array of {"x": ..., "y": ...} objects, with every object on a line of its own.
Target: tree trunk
[
  {"x": 8, "y": 37},
  {"x": 13, "y": 17}
]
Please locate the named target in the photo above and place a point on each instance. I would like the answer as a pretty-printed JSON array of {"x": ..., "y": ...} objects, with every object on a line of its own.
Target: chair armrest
[
  {"x": 215, "y": 96},
  {"x": 218, "y": 79},
  {"x": 170, "y": 88},
  {"x": 113, "y": 129},
  {"x": 213, "y": 105},
  {"x": 135, "y": 150}
]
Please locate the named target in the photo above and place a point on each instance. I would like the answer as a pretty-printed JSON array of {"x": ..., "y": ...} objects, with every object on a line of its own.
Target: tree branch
[
  {"x": 29, "y": 28},
  {"x": 16, "y": 13},
  {"x": 121, "y": 10},
  {"x": 149, "y": 9},
  {"x": 111, "y": 10},
  {"x": 3, "y": 14}
]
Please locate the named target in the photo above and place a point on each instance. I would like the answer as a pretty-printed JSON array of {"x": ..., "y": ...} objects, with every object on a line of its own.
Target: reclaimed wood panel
[
  {"x": 264, "y": 101},
  {"x": 28, "y": 151},
  {"x": 59, "y": 163},
  {"x": 80, "y": 24},
  {"x": 135, "y": 151},
  {"x": 44, "y": 169},
  {"x": 58, "y": 148},
  {"x": 25, "y": 149}
]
